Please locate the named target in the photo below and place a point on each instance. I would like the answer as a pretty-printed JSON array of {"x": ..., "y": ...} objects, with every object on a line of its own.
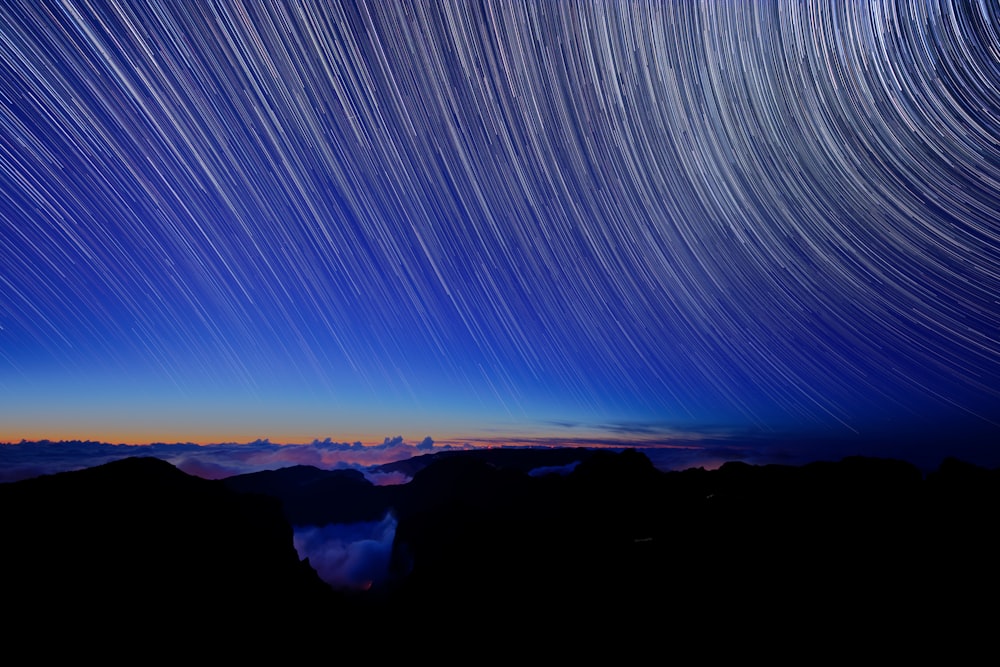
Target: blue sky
[{"x": 224, "y": 221}]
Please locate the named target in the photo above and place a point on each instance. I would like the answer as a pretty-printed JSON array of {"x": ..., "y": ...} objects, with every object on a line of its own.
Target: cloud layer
[
  {"x": 217, "y": 461},
  {"x": 349, "y": 556}
]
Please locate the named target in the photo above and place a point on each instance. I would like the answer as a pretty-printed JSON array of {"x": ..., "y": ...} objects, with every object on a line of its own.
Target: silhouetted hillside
[
  {"x": 137, "y": 549},
  {"x": 833, "y": 553},
  {"x": 312, "y": 496},
  {"x": 840, "y": 553},
  {"x": 524, "y": 459}
]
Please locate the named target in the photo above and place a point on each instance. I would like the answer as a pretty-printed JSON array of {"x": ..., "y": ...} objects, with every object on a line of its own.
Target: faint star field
[{"x": 761, "y": 216}]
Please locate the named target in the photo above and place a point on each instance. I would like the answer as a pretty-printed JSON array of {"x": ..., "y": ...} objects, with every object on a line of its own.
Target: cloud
[
  {"x": 386, "y": 478},
  {"x": 349, "y": 556},
  {"x": 392, "y": 442},
  {"x": 216, "y": 461},
  {"x": 28, "y": 459},
  {"x": 329, "y": 444},
  {"x": 554, "y": 470}
]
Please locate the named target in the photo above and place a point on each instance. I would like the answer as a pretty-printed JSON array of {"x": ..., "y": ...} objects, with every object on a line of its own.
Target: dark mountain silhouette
[
  {"x": 524, "y": 459},
  {"x": 312, "y": 496},
  {"x": 137, "y": 550},
  {"x": 863, "y": 549},
  {"x": 835, "y": 554}
]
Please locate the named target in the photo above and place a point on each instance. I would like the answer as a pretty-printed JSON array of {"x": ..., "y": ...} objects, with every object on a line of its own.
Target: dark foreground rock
[
  {"x": 833, "y": 555},
  {"x": 136, "y": 553}
]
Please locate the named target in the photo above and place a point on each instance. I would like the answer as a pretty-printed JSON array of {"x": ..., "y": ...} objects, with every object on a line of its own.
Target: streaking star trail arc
[{"x": 767, "y": 216}]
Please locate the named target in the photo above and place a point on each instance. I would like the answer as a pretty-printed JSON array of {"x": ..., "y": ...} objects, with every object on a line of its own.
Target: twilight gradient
[{"x": 228, "y": 220}]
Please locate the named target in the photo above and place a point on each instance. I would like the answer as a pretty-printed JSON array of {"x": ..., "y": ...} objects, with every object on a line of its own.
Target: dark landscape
[
  {"x": 689, "y": 313},
  {"x": 491, "y": 549}
]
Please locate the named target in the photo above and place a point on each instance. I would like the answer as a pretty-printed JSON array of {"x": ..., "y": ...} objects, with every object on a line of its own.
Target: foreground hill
[
  {"x": 613, "y": 551},
  {"x": 137, "y": 549},
  {"x": 860, "y": 550}
]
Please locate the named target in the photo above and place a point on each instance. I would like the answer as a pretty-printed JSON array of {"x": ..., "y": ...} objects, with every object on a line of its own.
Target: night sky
[{"x": 500, "y": 221}]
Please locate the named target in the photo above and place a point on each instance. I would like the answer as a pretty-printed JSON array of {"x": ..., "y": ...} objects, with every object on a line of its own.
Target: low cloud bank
[
  {"x": 349, "y": 556},
  {"x": 672, "y": 452},
  {"x": 554, "y": 470},
  {"x": 30, "y": 459}
]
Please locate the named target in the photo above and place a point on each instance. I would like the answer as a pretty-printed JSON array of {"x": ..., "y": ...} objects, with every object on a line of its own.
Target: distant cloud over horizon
[
  {"x": 214, "y": 461},
  {"x": 348, "y": 556},
  {"x": 666, "y": 449}
]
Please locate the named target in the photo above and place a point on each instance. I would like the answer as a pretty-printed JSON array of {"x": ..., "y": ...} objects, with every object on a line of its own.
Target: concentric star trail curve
[{"x": 302, "y": 217}]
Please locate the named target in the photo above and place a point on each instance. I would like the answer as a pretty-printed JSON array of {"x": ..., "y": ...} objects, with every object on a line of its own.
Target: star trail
[{"x": 224, "y": 220}]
